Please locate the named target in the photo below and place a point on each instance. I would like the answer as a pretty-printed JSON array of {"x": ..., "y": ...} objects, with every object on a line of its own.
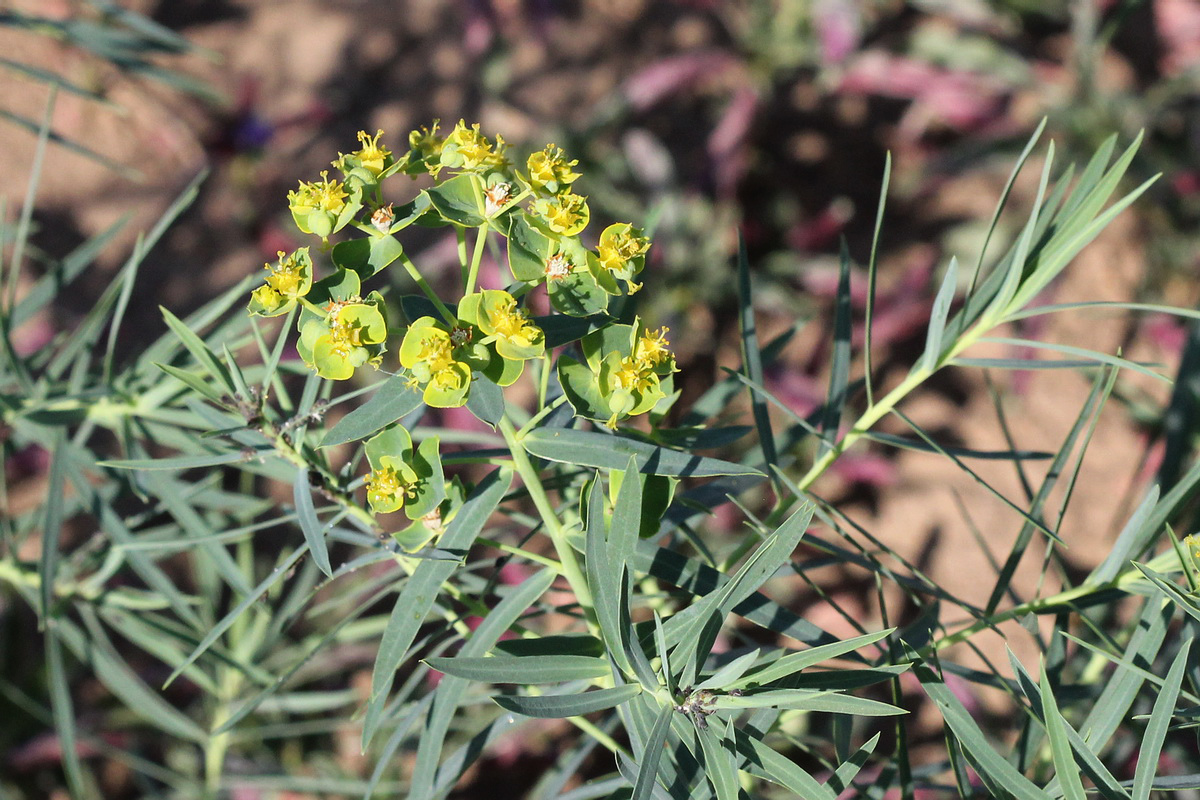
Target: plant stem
[
  {"x": 424, "y": 286},
  {"x": 476, "y": 260},
  {"x": 1041, "y": 604},
  {"x": 571, "y": 569}
]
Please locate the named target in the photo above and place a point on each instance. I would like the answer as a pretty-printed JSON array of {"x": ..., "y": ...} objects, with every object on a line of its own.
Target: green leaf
[
  {"x": 392, "y": 400},
  {"x": 368, "y": 255},
  {"x": 795, "y": 662},
  {"x": 806, "y": 700},
  {"x": 314, "y": 534},
  {"x": 694, "y": 629},
  {"x": 766, "y": 763},
  {"x": 729, "y": 674},
  {"x": 561, "y": 329},
  {"x": 528, "y": 249},
  {"x": 839, "y": 370},
  {"x": 650, "y": 757},
  {"x": 554, "y": 706},
  {"x": 1060, "y": 747},
  {"x": 124, "y": 683},
  {"x": 455, "y": 200},
  {"x": 1156, "y": 728},
  {"x": 190, "y": 462},
  {"x": 574, "y": 644},
  {"x": 872, "y": 273},
  {"x": 938, "y": 316},
  {"x": 606, "y": 451},
  {"x": 52, "y": 527},
  {"x": 452, "y": 688},
  {"x": 422, "y": 588},
  {"x": 199, "y": 350},
  {"x": 250, "y": 599},
  {"x": 921, "y": 446},
  {"x": 752, "y": 356},
  {"x": 64, "y": 715},
  {"x": 701, "y": 579},
  {"x": 1136, "y": 539},
  {"x": 578, "y": 295},
  {"x": 486, "y": 400},
  {"x": 993, "y": 768},
  {"x": 720, "y": 764},
  {"x": 604, "y": 574},
  {"x": 844, "y": 775},
  {"x": 522, "y": 670},
  {"x": 1097, "y": 358},
  {"x": 1187, "y": 602}
]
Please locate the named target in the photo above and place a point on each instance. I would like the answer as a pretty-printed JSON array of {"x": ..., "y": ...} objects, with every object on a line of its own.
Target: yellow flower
[
  {"x": 386, "y": 491},
  {"x": 550, "y": 170},
  {"x": 426, "y": 141},
  {"x": 622, "y": 251},
  {"x": 436, "y": 351},
  {"x": 566, "y": 213},
  {"x": 288, "y": 276},
  {"x": 653, "y": 348},
  {"x": 323, "y": 195},
  {"x": 468, "y": 149},
  {"x": 372, "y": 156},
  {"x": 635, "y": 375}
]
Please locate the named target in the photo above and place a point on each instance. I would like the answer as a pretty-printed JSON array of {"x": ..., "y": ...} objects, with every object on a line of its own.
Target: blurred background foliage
[{"x": 702, "y": 117}]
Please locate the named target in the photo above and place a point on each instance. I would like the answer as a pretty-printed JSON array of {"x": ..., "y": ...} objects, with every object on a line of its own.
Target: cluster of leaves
[{"x": 633, "y": 661}]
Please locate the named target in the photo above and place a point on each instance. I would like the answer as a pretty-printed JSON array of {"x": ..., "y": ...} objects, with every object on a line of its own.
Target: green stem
[
  {"x": 571, "y": 568},
  {"x": 460, "y": 235},
  {"x": 476, "y": 260},
  {"x": 538, "y": 417},
  {"x": 424, "y": 286},
  {"x": 1159, "y": 563}
]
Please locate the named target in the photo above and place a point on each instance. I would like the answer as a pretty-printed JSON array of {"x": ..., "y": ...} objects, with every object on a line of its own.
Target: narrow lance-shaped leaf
[
  {"x": 938, "y": 316},
  {"x": 522, "y": 670},
  {"x": 652, "y": 756},
  {"x": 1160, "y": 720},
  {"x": 199, "y": 350},
  {"x": 392, "y": 400},
  {"x": 554, "y": 706},
  {"x": 795, "y": 662},
  {"x": 314, "y": 535},
  {"x": 993, "y": 768},
  {"x": 451, "y": 690},
  {"x": 422, "y": 588},
  {"x": 720, "y": 764},
  {"x": 607, "y": 451},
  {"x": 839, "y": 370},
  {"x": 752, "y": 356},
  {"x": 729, "y": 674},
  {"x": 1060, "y": 745}
]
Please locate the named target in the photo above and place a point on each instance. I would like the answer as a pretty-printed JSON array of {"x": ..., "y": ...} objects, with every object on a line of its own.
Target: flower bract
[{"x": 289, "y": 279}]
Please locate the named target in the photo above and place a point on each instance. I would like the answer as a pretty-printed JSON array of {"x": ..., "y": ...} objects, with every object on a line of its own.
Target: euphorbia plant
[{"x": 608, "y": 496}]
